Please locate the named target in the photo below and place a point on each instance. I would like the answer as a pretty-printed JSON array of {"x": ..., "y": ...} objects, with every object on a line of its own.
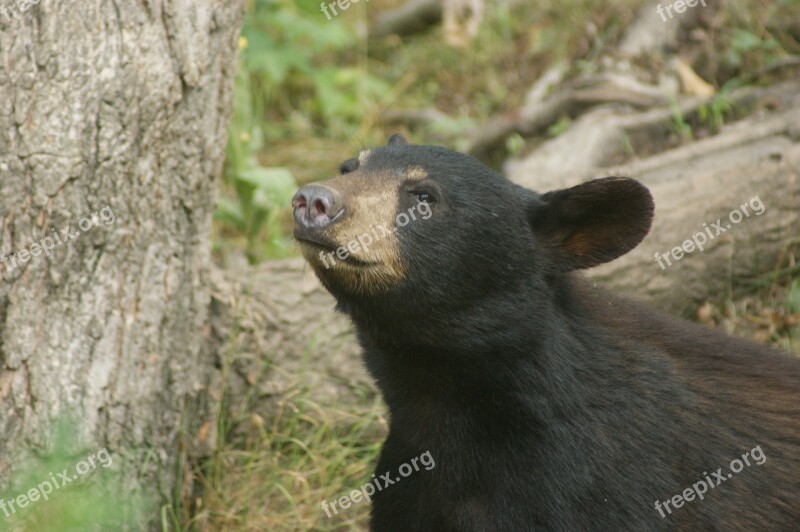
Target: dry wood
[{"x": 412, "y": 17}]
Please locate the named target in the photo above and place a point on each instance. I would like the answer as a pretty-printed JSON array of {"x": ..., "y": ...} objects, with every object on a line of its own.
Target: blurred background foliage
[
  {"x": 299, "y": 75},
  {"x": 310, "y": 91}
]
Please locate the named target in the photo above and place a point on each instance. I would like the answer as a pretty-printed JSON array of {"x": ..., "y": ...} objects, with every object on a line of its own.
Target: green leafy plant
[
  {"x": 793, "y": 298},
  {"x": 260, "y": 192},
  {"x": 713, "y": 114},
  {"x": 680, "y": 126},
  {"x": 746, "y": 43},
  {"x": 296, "y": 70},
  {"x": 300, "y": 61},
  {"x": 560, "y": 127}
]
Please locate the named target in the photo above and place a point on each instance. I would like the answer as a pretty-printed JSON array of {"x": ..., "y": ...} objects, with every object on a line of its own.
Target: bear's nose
[{"x": 316, "y": 206}]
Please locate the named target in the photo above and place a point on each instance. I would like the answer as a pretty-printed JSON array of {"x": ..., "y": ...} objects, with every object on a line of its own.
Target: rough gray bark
[{"x": 122, "y": 105}]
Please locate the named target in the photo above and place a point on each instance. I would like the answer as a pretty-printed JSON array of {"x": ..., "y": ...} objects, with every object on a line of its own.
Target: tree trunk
[{"x": 110, "y": 111}]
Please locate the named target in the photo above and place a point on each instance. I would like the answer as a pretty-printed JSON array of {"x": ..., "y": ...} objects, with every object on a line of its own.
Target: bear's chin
[
  {"x": 363, "y": 279},
  {"x": 326, "y": 258}
]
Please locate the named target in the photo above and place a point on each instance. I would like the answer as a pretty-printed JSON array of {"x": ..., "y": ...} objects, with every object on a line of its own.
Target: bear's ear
[
  {"x": 593, "y": 222},
  {"x": 397, "y": 140}
]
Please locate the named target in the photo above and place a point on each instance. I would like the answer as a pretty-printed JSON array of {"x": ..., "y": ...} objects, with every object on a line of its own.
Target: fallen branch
[
  {"x": 571, "y": 101},
  {"x": 412, "y": 17}
]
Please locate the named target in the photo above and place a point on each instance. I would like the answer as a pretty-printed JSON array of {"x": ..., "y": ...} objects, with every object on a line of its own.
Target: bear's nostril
[
  {"x": 318, "y": 208},
  {"x": 315, "y": 206},
  {"x": 299, "y": 200}
]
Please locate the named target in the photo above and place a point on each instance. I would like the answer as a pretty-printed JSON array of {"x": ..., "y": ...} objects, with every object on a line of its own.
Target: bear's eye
[
  {"x": 423, "y": 197},
  {"x": 348, "y": 166}
]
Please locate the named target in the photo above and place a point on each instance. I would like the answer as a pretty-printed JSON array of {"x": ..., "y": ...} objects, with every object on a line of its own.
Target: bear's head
[{"x": 425, "y": 227}]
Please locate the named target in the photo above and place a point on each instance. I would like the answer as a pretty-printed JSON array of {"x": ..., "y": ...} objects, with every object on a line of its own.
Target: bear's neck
[{"x": 485, "y": 364}]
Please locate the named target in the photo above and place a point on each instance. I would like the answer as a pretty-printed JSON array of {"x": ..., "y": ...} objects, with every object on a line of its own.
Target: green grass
[{"x": 275, "y": 473}]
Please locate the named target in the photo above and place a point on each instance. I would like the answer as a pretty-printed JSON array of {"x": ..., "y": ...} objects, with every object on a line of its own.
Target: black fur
[{"x": 548, "y": 404}]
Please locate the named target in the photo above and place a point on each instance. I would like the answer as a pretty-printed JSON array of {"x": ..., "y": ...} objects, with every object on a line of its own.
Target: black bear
[{"x": 544, "y": 403}]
